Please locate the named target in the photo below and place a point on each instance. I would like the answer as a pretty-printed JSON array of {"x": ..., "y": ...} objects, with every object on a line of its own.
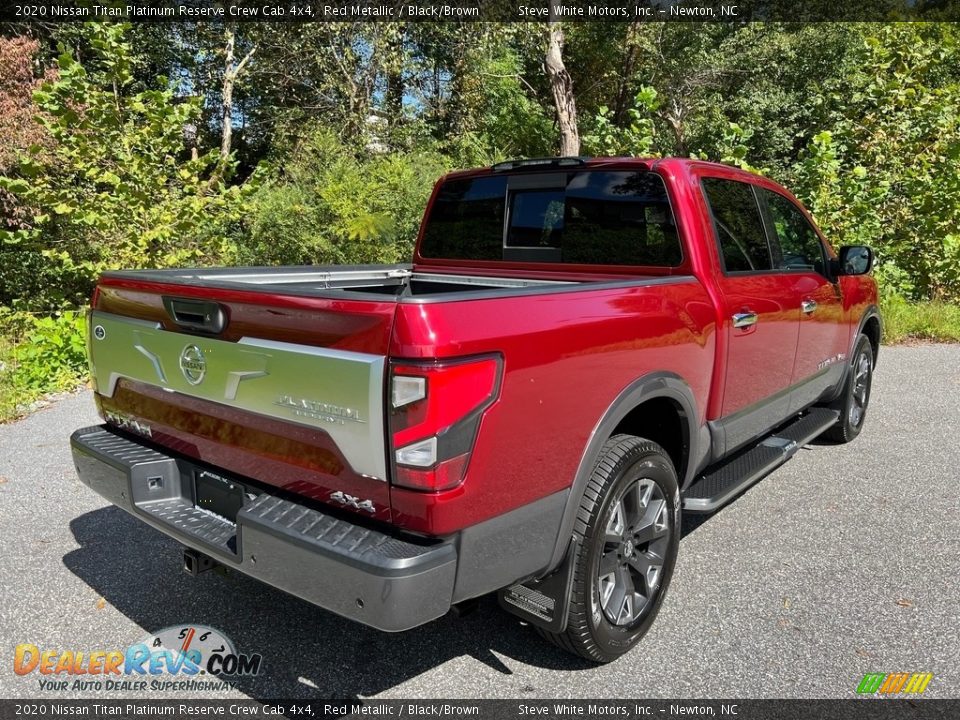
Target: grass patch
[
  {"x": 905, "y": 321},
  {"x": 14, "y": 399}
]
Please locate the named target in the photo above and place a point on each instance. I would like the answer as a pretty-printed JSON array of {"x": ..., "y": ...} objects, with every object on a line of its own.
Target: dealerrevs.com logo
[{"x": 181, "y": 657}]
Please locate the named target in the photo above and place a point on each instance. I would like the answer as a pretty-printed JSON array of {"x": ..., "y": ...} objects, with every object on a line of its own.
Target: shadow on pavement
[{"x": 307, "y": 652}]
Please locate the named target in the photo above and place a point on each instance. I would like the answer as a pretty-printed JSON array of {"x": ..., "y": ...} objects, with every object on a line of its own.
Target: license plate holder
[{"x": 218, "y": 495}]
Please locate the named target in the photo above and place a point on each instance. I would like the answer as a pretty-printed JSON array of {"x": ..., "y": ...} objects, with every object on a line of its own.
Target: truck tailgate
[{"x": 289, "y": 392}]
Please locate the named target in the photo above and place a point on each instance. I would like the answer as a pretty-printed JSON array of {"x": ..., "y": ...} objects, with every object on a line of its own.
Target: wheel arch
[
  {"x": 871, "y": 326},
  {"x": 630, "y": 413}
]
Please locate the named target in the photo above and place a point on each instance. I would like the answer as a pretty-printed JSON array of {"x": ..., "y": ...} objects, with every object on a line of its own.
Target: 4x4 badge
[
  {"x": 353, "y": 501},
  {"x": 192, "y": 364}
]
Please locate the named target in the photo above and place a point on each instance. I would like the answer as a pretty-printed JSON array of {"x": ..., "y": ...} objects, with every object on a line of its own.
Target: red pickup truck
[{"x": 580, "y": 350}]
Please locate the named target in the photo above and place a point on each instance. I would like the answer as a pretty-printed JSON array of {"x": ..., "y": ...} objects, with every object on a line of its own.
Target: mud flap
[{"x": 544, "y": 602}]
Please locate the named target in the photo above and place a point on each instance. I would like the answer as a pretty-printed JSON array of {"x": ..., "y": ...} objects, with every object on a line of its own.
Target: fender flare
[
  {"x": 872, "y": 311},
  {"x": 648, "y": 387}
]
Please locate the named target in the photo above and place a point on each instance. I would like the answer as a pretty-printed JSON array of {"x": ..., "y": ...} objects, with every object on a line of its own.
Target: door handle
[
  {"x": 808, "y": 306},
  {"x": 744, "y": 319}
]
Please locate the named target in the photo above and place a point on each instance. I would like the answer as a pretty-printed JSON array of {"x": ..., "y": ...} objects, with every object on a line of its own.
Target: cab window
[
  {"x": 796, "y": 245},
  {"x": 739, "y": 226}
]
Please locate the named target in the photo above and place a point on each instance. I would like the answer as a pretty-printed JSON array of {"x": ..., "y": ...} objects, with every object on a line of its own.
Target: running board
[{"x": 731, "y": 477}]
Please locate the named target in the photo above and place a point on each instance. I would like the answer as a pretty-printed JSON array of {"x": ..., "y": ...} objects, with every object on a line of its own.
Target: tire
[
  {"x": 628, "y": 522},
  {"x": 855, "y": 397}
]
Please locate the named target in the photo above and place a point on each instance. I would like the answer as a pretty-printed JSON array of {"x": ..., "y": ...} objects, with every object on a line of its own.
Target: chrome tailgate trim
[{"x": 337, "y": 391}]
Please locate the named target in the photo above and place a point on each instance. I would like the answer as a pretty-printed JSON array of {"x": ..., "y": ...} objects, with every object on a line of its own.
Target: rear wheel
[
  {"x": 855, "y": 398},
  {"x": 629, "y": 526}
]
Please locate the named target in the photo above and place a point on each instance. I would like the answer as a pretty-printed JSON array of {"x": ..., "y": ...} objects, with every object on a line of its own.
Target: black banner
[
  {"x": 56, "y": 11},
  {"x": 853, "y": 709}
]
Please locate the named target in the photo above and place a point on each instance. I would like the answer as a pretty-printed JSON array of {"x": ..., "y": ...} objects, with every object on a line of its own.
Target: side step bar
[{"x": 732, "y": 476}]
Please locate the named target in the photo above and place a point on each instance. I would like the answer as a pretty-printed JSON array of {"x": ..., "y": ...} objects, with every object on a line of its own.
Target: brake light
[{"x": 434, "y": 416}]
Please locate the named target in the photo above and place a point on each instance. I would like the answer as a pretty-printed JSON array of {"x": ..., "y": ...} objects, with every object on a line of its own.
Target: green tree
[
  {"x": 885, "y": 172},
  {"x": 117, "y": 189},
  {"x": 326, "y": 202}
]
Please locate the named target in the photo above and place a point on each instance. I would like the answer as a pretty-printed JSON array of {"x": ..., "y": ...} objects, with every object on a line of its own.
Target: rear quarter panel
[{"x": 567, "y": 355}]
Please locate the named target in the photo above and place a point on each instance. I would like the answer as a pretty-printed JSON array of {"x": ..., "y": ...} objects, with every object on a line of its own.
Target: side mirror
[{"x": 855, "y": 260}]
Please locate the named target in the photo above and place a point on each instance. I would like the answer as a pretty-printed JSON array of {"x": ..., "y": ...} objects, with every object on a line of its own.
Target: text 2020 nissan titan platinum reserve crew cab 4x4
[{"x": 581, "y": 349}]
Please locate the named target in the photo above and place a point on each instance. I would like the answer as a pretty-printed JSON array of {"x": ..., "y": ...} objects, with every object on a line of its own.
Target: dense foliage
[
  {"x": 115, "y": 151},
  {"x": 112, "y": 189},
  {"x": 325, "y": 204}
]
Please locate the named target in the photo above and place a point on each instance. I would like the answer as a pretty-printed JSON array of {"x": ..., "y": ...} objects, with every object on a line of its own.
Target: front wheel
[
  {"x": 855, "y": 397},
  {"x": 629, "y": 526}
]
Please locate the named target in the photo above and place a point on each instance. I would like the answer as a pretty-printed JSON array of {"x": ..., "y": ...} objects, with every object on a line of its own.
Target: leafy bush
[
  {"x": 39, "y": 355},
  {"x": 52, "y": 354},
  {"x": 330, "y": 204},
  {"x": 885, "y": 174},
  {"x": 116, "y": 189},
  {"x": 635, "y": 137}
]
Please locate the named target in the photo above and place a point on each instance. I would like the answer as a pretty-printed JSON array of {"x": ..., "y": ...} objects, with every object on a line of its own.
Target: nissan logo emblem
[{"x": 192, "y": 364}]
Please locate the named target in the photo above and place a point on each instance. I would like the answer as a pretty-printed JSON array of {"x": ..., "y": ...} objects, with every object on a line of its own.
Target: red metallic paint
[
  {"x": 567, "y": 355},
  {"x": 359, "y": 326}
]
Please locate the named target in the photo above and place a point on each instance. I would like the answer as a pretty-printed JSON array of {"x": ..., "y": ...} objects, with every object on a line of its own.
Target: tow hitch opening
[{"x": 195, "y": 563}]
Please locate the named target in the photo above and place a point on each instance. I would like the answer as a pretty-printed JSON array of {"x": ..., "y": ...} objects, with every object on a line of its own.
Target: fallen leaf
[
  {"x": 903, "y": 602},
  {"x": 783, "y": 622},
  {"x": 2, "y": 479},
  {"x": 787, "y": 603},
  {"x": 862, "y": 653},
  {"x": 101, "y": 603}
]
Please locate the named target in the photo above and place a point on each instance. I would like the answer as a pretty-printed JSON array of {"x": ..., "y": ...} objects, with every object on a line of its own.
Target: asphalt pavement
[{"x": 844, "y": 561}]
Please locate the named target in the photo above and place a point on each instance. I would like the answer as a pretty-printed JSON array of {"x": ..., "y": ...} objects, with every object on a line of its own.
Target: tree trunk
[
  {"x": 625, "y": 78},
  {"x": 562, "y": 86},
  {"x": 226, "y": 107},
  {"x": 675, "y": 119},
  {"x": 231, "y": 70},
  {"x": 394, "y": 94}
]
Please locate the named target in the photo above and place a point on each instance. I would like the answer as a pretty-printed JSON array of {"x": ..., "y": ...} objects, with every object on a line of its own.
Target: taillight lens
[{"x": 434, "y": 416}]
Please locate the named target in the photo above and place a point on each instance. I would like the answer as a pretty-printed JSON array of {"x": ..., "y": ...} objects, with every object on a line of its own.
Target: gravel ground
[{"x": 844, "y": 561}]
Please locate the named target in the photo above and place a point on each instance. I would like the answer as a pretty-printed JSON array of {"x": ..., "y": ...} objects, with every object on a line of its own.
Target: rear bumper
[{"x": 381, "y": 580}]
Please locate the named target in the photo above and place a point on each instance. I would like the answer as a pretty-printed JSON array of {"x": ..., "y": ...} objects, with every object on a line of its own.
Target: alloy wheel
[{"x": 636, "y": 540}]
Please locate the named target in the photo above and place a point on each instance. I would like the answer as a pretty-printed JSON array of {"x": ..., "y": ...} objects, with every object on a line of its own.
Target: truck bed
[{"x": 399, "y": 281}]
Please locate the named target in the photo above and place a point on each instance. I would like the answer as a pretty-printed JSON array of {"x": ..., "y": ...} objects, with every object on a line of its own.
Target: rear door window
[
  {"x": 739, "y": 226},
  {"x": 620, "y": 218}
]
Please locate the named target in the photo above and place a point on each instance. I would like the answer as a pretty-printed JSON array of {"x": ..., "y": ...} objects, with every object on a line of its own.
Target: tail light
[{"x": 435, "y": 411}]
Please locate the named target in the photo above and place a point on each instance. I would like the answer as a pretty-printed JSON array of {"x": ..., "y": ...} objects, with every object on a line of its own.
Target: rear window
[{"x": 591, "y": 217}]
